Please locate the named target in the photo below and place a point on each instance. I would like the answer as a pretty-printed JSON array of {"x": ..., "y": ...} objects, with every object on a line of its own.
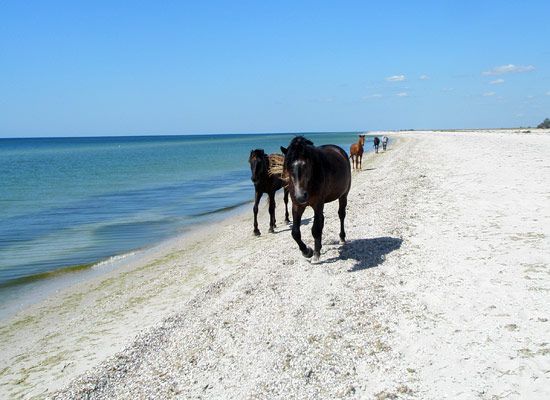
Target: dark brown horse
[
  {"x": 265, "y": 183},
  {"x": 356, "y": 152},
  {"x": 376, "y": 144},
  {"x": 316, "y": 175}
]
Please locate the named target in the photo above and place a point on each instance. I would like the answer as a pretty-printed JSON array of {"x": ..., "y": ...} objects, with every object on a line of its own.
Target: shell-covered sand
[{"x": 442, "y": 291}]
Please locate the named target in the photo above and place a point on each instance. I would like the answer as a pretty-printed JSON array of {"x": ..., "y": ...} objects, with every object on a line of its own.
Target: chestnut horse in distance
[{"x": 356, "y": 152}]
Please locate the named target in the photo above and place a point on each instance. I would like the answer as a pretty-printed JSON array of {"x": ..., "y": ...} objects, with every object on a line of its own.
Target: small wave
[
  {"x": 47, "y": 274},
  {"x": 220, "y": 210},
  {"x": 112, "y": 260}
]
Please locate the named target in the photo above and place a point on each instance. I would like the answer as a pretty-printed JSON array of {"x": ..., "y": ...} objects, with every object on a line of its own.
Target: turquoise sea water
[{"x": 68, "y": 202}]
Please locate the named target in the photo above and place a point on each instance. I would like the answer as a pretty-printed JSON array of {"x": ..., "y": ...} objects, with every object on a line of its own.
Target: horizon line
[{"x": 257, "y": 133}]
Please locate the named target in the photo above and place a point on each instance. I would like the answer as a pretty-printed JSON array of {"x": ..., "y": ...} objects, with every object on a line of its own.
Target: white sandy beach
[{"x": 442, "y": 291}]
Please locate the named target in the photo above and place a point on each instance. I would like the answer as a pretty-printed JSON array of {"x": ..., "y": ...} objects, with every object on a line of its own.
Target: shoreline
[
  {"x": 441, "y": 287},
  {"x": 65, "y": 301},
  {"x": 16, "y": 293},
  {"x": 51, "y": 283},
  {"x": 24, "y": 292},
  {"x": 82, "y": 300},
  {"x": 31, "y": 334}
]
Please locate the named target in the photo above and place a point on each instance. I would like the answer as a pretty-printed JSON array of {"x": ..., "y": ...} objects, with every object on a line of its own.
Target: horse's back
[
  {"x": 355, "y": 149},
  {"x": 337, "y": 168}
]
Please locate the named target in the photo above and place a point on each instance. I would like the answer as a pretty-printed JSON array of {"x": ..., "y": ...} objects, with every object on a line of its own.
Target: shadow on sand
[
  {"x": 367, "y": 253},
  {"x": 305, "y": 221}
]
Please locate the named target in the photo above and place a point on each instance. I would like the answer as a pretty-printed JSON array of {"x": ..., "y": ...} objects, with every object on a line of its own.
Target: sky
[{"x": 70, "y": 68}]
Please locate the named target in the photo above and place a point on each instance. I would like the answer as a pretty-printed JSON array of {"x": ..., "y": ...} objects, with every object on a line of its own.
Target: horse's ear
[{"x": 284, "y": 149}]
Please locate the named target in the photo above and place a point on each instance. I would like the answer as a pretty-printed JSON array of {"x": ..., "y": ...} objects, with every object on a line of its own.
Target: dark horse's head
[
  {"x": 299, "y": 167},
  {"x": 258, "y": 164}
]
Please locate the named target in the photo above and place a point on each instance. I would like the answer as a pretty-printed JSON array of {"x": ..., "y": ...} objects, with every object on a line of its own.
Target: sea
[{"x": 67, "y": 204}]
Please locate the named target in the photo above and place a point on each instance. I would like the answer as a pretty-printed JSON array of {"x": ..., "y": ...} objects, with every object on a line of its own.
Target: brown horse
[
  {"x": 316, "y": 175},
  {"x": 356, "y": 152},
  {"x": 265, "y": 183},
  {"x": 376, "y": 144}
]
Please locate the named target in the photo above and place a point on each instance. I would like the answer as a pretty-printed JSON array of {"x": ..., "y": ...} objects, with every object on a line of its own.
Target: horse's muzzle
[{"x": 303, "y": 198}]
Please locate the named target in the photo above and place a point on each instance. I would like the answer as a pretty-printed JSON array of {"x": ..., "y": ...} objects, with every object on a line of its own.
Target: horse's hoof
[
  {"x": 271, "y": 230},
  {"x": 287, "y": 221},
  {"x": 257, "y": 233},
  {"x": 308, "y": 253},
  {"x": 342, "y": 241},
  {"x": 315, "y": 259}
]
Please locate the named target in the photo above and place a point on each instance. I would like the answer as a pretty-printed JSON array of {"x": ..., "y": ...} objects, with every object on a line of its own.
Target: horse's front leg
[
  {"x": 297, "y": 212},
  {"x": 317, "y": 231},
  {"x": 257, "y": 198},
  {"x": 343, "y": 202},
  {"x": 272, "y": 212},
  {"x": 286, "y": 204}
]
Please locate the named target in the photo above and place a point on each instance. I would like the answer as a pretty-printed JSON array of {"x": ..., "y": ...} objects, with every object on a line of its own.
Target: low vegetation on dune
[{"x": 544, "y": 124}]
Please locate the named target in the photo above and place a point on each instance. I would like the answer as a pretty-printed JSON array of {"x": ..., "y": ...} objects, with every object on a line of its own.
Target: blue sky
[{"x": 120, "y": 68}]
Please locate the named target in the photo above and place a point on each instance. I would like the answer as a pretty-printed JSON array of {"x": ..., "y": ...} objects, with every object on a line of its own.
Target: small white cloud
[
  {"x": 424, "y": 77},
  {"x": 396, "y": 78},
  {"x": 488, "y": 94},
  {"x": 496, "y": 82},
  {"x": 402, "y": 94},
  {"x": 447, "y": 90},
  {"x": 510, "y": 68}
]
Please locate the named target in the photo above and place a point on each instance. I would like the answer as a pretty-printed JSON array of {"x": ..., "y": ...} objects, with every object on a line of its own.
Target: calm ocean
[{"x": 70, "y": 202}]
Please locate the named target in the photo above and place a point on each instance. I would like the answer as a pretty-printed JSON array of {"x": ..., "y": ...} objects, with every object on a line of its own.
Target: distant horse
[
  {"x": 265, "y": 183},
  {"x": 316, "y": 175},
  {"x": 356, "y": 152},
  {"x": 384, "y": 143},
  {"x": 376, "y": 144}
]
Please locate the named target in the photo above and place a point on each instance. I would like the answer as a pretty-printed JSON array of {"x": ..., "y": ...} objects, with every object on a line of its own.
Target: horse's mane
[
  {"x": 298, "y": 148},
  {"x": 260, "y": 153}
]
